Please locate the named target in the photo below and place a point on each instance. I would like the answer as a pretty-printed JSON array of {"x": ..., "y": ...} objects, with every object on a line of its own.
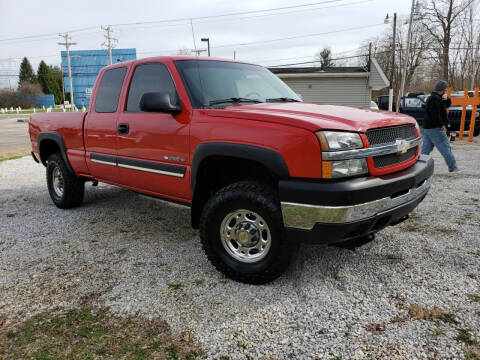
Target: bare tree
[
  {"x": 418, "y": 54},
  {"x": 441, "y": 18}
]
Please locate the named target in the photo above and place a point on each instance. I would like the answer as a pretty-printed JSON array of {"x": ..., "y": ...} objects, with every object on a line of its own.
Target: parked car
[
  {"x": 373, "y": 105},
  {"x": 415, "y": 107},
  {"x": 260, "y": 170},
  {"x": 382, "y": 102}
]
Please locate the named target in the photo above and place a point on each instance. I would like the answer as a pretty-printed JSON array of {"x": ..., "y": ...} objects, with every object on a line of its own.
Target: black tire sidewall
[
  {"x": 73, "y": 186},
  {"x": 53, "y": 163},
  {"x": 257, "y": 199}
]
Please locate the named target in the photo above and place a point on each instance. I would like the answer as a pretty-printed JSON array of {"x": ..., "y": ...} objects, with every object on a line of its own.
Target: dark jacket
[{"x": 436, "y": 112}]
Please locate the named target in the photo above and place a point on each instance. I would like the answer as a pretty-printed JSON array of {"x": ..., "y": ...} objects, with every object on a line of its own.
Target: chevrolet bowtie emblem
[{"x": 402, "y": 146}]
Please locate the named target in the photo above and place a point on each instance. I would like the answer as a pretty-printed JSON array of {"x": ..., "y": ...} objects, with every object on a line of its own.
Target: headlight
[
  {"x": 339, "y": 140},
  {"x": 344, "y": 168}
]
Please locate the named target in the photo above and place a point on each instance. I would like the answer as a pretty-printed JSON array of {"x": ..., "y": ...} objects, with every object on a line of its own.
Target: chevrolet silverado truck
[{"x": 261, "y": 170}]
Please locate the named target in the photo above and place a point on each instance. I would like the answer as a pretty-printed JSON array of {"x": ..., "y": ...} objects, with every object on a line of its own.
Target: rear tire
[
  {"x": 242, "y": 233},
  {"x": 65, "y": 188}
]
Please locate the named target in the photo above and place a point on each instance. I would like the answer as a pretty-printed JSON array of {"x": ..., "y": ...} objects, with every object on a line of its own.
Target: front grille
[
  {"x": 393, "y": 159},
  {"x": 382, "y": 136},
  {"x": 389, "y": 135},
  {"x": 457, "y": 115}
]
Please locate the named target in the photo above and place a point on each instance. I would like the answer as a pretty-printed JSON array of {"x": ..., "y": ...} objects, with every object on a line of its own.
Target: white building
[{"x": 338, "y": 85}]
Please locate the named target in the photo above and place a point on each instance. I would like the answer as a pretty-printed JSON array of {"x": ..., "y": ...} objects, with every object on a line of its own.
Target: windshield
[{"x": 222, "y": 83}]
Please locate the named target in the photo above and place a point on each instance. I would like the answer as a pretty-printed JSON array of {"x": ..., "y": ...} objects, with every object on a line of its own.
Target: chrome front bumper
[{"x": 303, "y": 216}]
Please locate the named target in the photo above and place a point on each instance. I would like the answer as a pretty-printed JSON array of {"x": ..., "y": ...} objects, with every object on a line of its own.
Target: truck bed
[{"x": 69, "y": 125}]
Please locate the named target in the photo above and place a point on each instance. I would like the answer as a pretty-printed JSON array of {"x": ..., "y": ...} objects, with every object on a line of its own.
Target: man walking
[{"x": 435, "y": 119}]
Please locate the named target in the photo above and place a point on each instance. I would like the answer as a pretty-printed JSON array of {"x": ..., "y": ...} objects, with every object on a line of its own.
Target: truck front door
[
  {"x": 153, "y": 150},
  {"x": 101, "y": 126}
]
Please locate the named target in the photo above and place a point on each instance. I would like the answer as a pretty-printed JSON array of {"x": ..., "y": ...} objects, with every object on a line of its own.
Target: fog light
[{"x": 344, "y": 168}]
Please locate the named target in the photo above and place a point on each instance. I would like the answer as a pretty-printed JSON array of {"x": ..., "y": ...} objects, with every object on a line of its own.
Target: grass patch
[
  {"x": 471, "y": 355},
  {"x": 89, "y": 333},
  {"x": 175, "y": 286},
  {"x": 449, "y": 319},
  {"x": 473, "y": 297},
  {"x": 477, "y": 253},
  {"x": 437, "y": 333},
  {"x": 465, "y": 337},
  {"x": 14, "y": 157}
]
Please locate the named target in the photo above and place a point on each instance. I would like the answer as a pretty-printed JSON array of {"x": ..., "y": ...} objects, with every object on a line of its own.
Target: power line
[
  {"x": 231, "y": 14},
  {"x": 50, "y": 34},
  {"x": 317, "y": 61},
  {"x": 297, "y": 37},
  {"x": 183, "y": 19}
]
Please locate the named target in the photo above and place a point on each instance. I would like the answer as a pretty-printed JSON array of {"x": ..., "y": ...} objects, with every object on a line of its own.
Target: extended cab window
[
  {"x": 109, "y": 90},
  {"x": 149, "y": 78}
]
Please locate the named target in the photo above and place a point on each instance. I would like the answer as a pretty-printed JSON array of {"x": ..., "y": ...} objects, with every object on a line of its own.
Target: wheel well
[
  {"x": 47, "y": 148},
  {"x": 214, "y": 173}
]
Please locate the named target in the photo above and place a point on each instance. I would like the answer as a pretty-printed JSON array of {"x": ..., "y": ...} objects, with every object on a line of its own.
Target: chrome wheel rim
[
  {"x": 245, "y": 236},
  {"x": 57, "y": 181}
]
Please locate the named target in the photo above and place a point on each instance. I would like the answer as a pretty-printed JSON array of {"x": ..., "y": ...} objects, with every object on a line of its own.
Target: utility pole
[
  {"x": 234, "y": 55},
  {"x": 392, "y": 72},
  {"x": 67, "y": 45},
  {"x": 407, "y": 54},
  {"x": 110, "y": 44},
  {"x": 63, "y": 87}
]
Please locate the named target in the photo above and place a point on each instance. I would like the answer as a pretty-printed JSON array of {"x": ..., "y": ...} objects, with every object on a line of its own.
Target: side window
[
  {"x": 109, "y": 90},
  {"x": 149, "y": 78}
]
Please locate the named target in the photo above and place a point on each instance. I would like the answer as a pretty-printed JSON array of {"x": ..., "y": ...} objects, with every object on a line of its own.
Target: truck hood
[{"x": 314, "y": 117}]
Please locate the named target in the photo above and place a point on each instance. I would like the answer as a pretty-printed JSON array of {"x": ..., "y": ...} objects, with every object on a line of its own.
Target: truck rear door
[
  {"x": 153, "y": 149},
  {"x": 101, "y": 126}
]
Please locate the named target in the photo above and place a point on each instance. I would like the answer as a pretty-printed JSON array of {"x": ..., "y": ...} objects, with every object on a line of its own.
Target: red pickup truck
[{"x": 261, "y": 170}]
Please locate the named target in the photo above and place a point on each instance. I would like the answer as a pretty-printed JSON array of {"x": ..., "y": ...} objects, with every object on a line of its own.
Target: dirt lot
[{"x": 412, "y": 293}]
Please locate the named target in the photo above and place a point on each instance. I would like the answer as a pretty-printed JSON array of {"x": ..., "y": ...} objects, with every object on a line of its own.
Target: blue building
[{"x": 86, "y": 64}]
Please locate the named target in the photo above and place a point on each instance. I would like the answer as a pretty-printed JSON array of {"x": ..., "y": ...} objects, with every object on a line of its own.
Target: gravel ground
[{"x": 139, "y": 256}]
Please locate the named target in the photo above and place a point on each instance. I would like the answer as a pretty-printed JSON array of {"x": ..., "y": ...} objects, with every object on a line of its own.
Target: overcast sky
[{"x": 21, "y": 18}]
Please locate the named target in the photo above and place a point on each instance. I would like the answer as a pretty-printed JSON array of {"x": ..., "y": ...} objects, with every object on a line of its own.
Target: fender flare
[
  {"x": 271, "y": 159},
  {"x": 58, "y": 139}
]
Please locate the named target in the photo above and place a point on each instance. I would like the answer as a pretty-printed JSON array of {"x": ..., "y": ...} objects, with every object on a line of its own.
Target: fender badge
[{"x": 174, "y": 158}]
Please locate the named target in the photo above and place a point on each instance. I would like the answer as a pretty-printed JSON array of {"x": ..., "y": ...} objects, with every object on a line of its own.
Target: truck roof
[{"x": 172, "y": 58}]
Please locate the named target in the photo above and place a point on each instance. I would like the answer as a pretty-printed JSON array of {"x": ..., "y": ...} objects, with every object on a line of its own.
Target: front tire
[
  {"x": 242, "y": 233},
  {"x": 65, "y": 188}
]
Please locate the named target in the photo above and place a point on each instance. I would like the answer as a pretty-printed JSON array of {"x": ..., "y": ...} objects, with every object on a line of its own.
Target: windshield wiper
[
  {"x": 282, "y": 99},
  {"x": 235, "y": 100}
]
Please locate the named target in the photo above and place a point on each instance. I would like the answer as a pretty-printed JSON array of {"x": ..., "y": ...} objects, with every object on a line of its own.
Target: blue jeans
[{"x": 437, "y": 137}]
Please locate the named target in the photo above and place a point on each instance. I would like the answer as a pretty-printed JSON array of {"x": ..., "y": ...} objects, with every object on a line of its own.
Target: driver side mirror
[{"x": 159, "y": 102}]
